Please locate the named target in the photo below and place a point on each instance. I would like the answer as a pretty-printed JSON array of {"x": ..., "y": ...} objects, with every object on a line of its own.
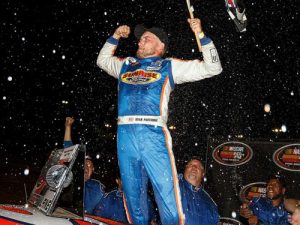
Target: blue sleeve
[
  {"x": 255, "y": 206},
  {"x": 113, "y": 41},
  {"x": 67, "y": 144},
  {"x": 204, "y": 41}
]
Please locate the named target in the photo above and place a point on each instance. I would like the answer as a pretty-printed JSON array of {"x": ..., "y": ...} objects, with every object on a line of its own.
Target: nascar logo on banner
[
  {"x": 288, "y": 157},
  {"x": 253, "y": 190},
  {"x": 232, "y": 153}
]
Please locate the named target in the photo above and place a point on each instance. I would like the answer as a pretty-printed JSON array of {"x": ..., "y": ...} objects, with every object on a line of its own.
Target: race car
[
  {"x": 57, "y": 197},
  {"x": 29, "y": 215}
]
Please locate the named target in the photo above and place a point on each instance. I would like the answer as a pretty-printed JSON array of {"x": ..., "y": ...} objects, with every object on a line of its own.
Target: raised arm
[
  {"x": 106, "y": 59},
  {"x": 194, "y": 70},
  {"x": 68, "y": 129}
]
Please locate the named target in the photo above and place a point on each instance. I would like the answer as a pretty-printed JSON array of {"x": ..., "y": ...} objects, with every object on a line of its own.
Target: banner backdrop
[{"x": 237, "y": 171}]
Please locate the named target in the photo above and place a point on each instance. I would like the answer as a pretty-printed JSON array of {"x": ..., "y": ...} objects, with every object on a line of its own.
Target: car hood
[{"x": 28, "y": 215}]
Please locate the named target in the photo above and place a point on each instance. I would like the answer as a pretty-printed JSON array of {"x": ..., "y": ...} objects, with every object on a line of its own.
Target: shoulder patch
[
  {"x": 214, "y": 55},
  {"x": 131, "y": 61}
]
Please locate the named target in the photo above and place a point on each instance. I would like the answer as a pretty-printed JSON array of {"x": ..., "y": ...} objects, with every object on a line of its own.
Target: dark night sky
[{"x": 48, "y": 71}]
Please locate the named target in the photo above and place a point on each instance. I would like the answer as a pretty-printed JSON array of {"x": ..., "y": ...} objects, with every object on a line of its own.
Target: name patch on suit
[
  {"x": 155, "y": 65},
  {"x": 140, "y": 77},
  {"x": 214, "y": 55}
]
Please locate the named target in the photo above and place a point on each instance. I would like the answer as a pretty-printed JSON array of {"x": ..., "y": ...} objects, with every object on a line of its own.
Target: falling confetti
[{"x": 49, "y": 72}]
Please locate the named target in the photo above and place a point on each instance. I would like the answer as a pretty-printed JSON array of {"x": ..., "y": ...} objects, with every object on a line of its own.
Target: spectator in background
[
  {"x": 269, "y": 210},
  {"x": 198, "y": 207},
  {"x": 94, "y": 190}
]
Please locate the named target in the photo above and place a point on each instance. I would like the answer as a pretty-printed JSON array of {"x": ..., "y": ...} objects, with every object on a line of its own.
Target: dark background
[{"x": 48, "y": 71}]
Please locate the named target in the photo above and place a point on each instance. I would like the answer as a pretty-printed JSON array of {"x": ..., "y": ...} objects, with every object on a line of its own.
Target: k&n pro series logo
[
  {"x": 140, "y": 77},
  {"x": 257, "y": 189},
  {"x": 288, "y": 157},
  {"x": 232, "y": 153}
]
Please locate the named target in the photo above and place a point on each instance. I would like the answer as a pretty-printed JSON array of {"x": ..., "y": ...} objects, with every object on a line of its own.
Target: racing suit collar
[
  {"x": 269, "y": 201},
  {"x": 150, "y": 59},
  {"x": 191, "y": 187}
]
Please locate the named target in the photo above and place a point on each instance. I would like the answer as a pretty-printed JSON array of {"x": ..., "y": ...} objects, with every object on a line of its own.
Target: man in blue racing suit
[
  {"x": 144, "y": 142},
  {"x": 269, "y": 210},
  {"x": 198, "y": 207}
]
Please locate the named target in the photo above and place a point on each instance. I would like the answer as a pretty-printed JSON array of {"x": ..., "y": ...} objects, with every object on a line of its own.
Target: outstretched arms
[{"x": 68, "y": 130}]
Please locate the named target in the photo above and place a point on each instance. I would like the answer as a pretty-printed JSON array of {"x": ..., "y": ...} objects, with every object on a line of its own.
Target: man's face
[
  {"x": 194, "y": 172},
  {"x": 274, "y": 189},
  {"x": 88, "y": 169},
  {"x": 149, "y": 45}
]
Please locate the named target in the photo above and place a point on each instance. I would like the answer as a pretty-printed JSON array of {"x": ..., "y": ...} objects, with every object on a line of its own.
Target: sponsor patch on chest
[
  {"x": 140, "y": 77},
  {"x": 155, "y": 65}
]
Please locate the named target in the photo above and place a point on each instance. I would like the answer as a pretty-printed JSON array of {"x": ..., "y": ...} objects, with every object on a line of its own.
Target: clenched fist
[
  {"x": 122, "y": 31},
  {"x": 69, "y": 121},
  {"x": 195, "y": 25}
]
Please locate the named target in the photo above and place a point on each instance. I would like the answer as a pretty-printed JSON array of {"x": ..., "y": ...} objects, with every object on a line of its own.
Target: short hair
[
  {"x": 278, "y": 177},
  {"x": 198, "y": 159},
  {"x": 195, "y": 157}
]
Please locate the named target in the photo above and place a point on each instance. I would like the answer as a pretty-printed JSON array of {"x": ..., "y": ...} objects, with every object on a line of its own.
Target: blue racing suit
[
  {"x": 198, "y": 206},
  {"x": 144, "y": 142},
  {"x": 93, "y": 190},
  {"x": 111, "y": 206},
  {"x": 267, "y": 214}
]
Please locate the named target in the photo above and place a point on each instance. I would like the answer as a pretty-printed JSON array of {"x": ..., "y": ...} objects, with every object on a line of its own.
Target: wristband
[
  {"x": 113, "y": 41},
  {"x": 201, "y": 35}
]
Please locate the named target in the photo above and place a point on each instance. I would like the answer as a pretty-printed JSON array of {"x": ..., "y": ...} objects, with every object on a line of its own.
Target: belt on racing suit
[{"x": 148, "y": 120}]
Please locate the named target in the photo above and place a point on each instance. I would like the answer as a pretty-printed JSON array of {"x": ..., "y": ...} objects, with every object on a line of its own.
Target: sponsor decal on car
[
  {"x": 232, "y": 153},
  {"x": 8, "y": 221},
  {"x": 14, "y": 209},
  {"x": 257, "y": 189},
  {"x": 288, "y": 157}
]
